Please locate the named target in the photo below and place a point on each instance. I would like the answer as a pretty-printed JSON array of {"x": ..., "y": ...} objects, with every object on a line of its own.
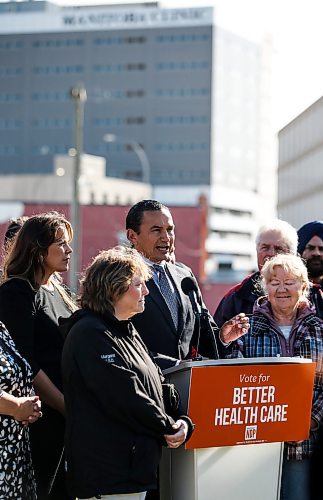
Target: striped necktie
[{"x": 168, "y": 292}]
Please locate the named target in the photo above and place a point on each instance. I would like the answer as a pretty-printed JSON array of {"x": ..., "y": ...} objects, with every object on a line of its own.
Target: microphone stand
[
  {"x": 205, "y": 318},
  {"x": 198, "y": 315},
  {"x": 202, "y": 316}
]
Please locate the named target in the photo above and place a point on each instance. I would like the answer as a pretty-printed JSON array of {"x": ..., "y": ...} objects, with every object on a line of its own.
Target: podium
[{"x": 243, "y": 410}]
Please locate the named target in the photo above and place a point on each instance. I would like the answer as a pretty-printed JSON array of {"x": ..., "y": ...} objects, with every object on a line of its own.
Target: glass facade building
[
  {"x": 148, "y": 76},
  {"x": 196, "y": 98}
]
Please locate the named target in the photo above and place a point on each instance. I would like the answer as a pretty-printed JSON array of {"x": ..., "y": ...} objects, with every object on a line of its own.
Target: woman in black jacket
[
  {"x": 115, "y": 408},
  {"x": 32, "y": 299}
]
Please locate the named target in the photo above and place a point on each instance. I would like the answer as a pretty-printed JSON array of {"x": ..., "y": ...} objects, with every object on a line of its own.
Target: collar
[
  {"x": 262, "y": 306},
  {"x": 150, "y": 263},
  {"x": 121, "y": 328}
]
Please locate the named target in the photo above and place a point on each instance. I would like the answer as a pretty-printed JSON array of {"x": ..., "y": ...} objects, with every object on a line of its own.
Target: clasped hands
[
  {"x": 28, "y": 409},
  {"x": 175, "y": 440}
]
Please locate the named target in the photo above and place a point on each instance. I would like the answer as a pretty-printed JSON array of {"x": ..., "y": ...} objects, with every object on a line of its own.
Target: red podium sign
[{"x": 248, "y": 404}]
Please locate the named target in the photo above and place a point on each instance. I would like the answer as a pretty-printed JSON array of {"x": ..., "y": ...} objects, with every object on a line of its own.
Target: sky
[{"x": 297, "y": 37}]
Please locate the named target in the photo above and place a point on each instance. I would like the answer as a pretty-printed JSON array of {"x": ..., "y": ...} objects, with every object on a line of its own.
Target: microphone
[{"x": 189, "y": 287}]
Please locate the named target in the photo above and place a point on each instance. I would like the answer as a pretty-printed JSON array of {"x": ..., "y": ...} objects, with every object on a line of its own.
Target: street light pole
[
  {"x": 145, "y": 166},
  {"x": 138, "y": 150},
  {"x": 78, "y": 94}
]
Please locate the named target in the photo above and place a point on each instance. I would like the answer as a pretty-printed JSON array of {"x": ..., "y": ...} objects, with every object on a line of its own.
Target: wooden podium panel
[{"x": 249, "y": 404}]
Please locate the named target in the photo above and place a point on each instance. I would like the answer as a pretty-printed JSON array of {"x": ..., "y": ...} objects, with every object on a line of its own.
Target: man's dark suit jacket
[{"x": 157, "y": 329}]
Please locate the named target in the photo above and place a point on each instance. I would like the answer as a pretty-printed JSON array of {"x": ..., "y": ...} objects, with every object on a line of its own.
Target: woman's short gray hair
[
  {"x": 109, "y": 276},
  {"x": 288, "y": 233},
  {"x": 291, "y": 264}
]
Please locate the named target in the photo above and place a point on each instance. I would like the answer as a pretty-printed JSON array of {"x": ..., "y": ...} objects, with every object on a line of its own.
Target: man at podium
[{"x": 169, "y": 325}]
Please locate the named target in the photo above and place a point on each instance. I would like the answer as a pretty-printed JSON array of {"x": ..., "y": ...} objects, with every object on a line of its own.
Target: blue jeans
[{"x": 295, "y": 482}]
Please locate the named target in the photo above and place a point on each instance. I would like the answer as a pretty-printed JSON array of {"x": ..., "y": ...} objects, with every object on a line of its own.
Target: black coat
[
  {"x": 157, "y": 329},
  {"x": 316, "y": 298},
  {"x": 240, "y": 298},
  {"x": 115, "y": 414}
]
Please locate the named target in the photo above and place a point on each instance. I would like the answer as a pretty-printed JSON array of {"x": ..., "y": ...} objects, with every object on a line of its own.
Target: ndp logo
[{"x": 250, "y": 433}]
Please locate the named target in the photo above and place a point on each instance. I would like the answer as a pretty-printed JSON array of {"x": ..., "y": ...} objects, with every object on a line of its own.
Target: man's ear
[{"x": 132, "y": 237}]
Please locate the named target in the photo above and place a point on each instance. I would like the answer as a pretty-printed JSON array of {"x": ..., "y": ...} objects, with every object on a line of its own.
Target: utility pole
[{"x": 78, "y": 94}]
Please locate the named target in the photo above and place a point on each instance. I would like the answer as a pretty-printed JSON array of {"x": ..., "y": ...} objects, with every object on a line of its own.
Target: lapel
[{"x": 156, "y": 296}]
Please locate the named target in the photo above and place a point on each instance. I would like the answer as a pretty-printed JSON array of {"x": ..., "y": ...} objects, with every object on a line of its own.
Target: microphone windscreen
[{"x": 188, "y": 285}]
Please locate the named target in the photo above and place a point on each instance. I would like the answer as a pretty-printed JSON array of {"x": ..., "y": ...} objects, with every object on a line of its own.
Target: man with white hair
[{"x": 277, "y": 236}]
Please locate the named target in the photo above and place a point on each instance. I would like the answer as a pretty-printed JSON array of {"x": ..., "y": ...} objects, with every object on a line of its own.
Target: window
[
  {"x": 10, "y": 124},
  {"x": 118, "y": 40},
  {"x": 187, "y": 92},
  {"x": 51, "y": 96},
  {"x": 184, "y": 37},
  {"x": 51, "y": 123},
  {"x": 10, "y": 71},
  {"x": 56, "y": 70},
  {"x": 58, "y": 43},
  {"x": 182, "y": 66},
  {"x": 136, "y": 66},
  {"x": 112, "y": 121},
  {"x": 116, "y": 121},
  {"x": 135, "y": 93},
  {"x": 41, "y": 150},
  {"x": 229, "y": 211},
  {"x": 124, "y": 94},
  {"x": 135, "y": 120},
  {"x": 229, "y": 234},
  {"x": 181, "y": 147},
  {"x": 9, "y": 150},
  {"x": 182, "y": 120},
  {"x": 114, "y": 68},
  {"x": 11, "y": 45},
  {"x": 10, "y": 97},
  {"x": 135, "y": 39}
]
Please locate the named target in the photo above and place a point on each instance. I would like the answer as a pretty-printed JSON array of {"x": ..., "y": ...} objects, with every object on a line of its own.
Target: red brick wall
[
  {"x": 213, "y": 293},
  {"x": 101, "y": 226}
]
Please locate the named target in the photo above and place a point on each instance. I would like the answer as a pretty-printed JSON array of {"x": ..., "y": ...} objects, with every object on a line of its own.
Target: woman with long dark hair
[{"x": 32, "y": 299}]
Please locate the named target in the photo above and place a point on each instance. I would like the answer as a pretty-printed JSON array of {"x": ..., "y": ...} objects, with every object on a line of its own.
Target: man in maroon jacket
[{"x": 275, "y": 237}]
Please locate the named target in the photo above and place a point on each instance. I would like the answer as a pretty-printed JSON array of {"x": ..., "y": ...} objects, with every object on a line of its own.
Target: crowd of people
[{"x": 84, "y": 406}]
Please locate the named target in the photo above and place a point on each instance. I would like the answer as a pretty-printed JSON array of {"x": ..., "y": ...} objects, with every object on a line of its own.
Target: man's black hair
[
  {"x": 14, "y": 226},
  {"x": 135, "y": 214}
]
